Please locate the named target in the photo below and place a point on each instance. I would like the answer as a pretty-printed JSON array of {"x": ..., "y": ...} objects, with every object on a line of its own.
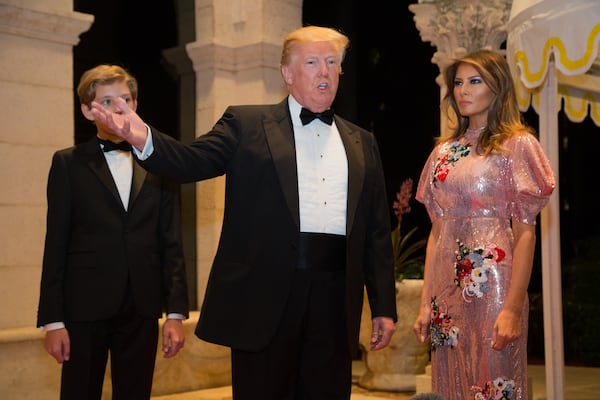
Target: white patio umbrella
[{"x": 553, "y": 49}]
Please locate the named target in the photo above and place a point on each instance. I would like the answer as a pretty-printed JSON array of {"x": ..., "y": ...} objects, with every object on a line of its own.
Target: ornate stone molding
[
  {"x": 63, "y": 28},
  {"x": 225, "y": 58},
  {"x": 457, "y": 27}
]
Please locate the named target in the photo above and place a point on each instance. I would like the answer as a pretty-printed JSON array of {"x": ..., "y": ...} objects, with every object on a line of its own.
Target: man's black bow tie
[
  {"x": 110, "y": 146},
  {"x": 306, "y": 116}
]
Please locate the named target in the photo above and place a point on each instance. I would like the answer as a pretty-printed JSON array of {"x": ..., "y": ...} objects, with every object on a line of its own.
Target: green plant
[{"x": 409, "y": 252}]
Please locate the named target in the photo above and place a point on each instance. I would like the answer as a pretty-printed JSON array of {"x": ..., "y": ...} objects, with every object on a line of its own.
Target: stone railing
[{"x": 28, "y": 372}]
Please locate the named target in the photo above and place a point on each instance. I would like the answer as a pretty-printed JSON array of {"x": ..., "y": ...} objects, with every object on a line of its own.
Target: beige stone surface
[
  {"x": 28, "y": 372},
  {"x": 36, "y": 109},
  {"x": 42, "y": 5},
  {"x": 198, "y": 365},
  {"x": 395, "y": 367},
  {"x": 581, "y": 384}
]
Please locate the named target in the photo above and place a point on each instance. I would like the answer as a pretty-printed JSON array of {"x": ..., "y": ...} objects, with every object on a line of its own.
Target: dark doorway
[{"x": 134, "y": 34}]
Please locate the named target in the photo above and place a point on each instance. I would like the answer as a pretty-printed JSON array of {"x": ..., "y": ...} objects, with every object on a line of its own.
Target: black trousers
[
  {"x": 132, "y": 343},
  {"x": 309, "y": 357}
]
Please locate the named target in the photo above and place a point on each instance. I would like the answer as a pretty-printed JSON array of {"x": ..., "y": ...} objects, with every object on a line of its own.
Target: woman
[{"x": 483, "y": 186}]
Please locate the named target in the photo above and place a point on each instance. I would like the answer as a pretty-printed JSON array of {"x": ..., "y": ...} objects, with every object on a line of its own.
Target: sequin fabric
[{"x": 475, "y": 197}]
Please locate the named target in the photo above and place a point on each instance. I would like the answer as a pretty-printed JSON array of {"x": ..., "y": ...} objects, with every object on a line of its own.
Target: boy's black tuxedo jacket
[{"x": 94, "y": 246}]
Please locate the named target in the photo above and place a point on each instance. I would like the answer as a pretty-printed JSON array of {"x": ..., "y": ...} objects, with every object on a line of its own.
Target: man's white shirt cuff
[{"x": 148, "y": 146}]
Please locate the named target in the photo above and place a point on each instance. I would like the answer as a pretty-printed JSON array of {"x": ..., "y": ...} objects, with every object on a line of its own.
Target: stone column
[
  {"x": 36, "y": 110},
  {"x": 236, "y": 60},
  {"x": 458, "y": 27}
]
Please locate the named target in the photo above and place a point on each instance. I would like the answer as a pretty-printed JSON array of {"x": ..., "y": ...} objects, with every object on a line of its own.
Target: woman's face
[{"x": 473, "y": 96}]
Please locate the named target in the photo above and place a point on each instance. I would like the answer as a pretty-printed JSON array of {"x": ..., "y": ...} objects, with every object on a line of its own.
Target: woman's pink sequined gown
[{"x": 475, "y": 197}]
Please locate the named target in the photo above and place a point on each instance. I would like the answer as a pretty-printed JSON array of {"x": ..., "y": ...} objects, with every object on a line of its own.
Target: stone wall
[{"x": 27, "y": 372}]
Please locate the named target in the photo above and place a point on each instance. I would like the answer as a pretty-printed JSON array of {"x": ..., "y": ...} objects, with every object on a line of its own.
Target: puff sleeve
[
  {"x": 424, "y": 193},
  {"x": 532, "y": 178}
]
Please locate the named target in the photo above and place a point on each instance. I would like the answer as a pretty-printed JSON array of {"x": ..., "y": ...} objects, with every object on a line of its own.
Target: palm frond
[{"x": 409, "y": 256}]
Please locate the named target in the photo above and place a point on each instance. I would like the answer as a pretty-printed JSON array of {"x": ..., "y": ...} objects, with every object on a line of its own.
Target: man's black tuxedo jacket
[
  {"x": 94, "y": 246},
  {"x": 258, "y": 249}
]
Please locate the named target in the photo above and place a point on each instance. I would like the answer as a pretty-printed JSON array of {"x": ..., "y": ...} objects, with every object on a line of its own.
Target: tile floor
[{"x": 581, "y": 384}]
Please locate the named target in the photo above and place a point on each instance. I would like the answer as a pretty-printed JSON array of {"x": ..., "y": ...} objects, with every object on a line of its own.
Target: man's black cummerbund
[{"x": 322, "y": 252}]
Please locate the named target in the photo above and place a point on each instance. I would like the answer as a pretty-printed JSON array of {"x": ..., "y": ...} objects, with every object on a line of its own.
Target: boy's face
[{"x": 105, "y": 96}]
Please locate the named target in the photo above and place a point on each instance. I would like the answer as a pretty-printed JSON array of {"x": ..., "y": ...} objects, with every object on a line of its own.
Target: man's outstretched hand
[{"x": 124, "y": 123}]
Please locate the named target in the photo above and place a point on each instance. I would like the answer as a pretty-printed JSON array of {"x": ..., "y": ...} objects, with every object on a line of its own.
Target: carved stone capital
[
  {"x": 457, "y": 27},
  {"x": 58, "y": 27}
]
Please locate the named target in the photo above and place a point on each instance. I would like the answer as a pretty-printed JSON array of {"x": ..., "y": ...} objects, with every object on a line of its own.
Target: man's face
[{"x": 313, "y": 75}]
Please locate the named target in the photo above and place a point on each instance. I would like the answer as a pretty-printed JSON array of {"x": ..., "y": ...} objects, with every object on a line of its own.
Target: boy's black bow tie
[
  {"x": 110, "y": 146},
  {"x": 306, "y": 116}
]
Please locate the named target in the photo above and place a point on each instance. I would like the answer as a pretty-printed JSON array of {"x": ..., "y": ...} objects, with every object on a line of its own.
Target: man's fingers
[{"x": 122, "y": 105}]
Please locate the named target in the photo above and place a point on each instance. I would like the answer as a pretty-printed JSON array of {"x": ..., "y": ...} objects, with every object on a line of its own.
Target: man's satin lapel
[
  {"x": 280, "y": 138},
  {"x": 356, "y": 168}
]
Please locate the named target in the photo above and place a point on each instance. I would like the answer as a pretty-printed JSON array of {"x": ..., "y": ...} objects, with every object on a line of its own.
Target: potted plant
[
  {"x": 409, "y": 255},
  {"x": 396, "y": 367}
]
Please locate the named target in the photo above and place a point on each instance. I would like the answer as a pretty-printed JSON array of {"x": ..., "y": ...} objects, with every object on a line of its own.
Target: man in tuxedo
[
  {"x": 306, "y": 226},
  {"x": 113, "y": 258}
]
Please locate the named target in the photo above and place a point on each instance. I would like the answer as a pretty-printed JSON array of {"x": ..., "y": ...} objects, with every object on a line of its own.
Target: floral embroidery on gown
[{"x": 476, "y": 197}]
